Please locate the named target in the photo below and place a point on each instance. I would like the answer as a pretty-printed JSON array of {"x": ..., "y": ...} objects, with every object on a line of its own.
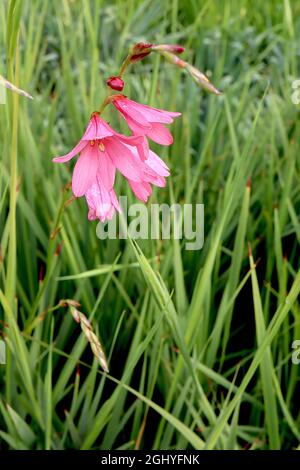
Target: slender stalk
[
  {"x": 11, "y": 275},
  {"x": 109, "y": 93},
  {"x": 51, "y": 263}
]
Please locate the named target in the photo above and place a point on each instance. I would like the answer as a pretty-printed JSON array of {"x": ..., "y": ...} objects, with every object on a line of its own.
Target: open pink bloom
[
  {"x": 154, "y": 171},
  {"x": 102, "y": 204},
  {"x": 144, "y": 120},
  {"x": 102, "y": 151}
]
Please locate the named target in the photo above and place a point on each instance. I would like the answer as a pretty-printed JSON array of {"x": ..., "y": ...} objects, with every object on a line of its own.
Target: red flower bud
[
  {"x": 137, "y": 57},
  {"x": 177, "y": 49},
  {"x": 140, "y": 50},
  {"x": 141, "y": 47},
  {"x": 174, "y": 48},
  {"x": 116, "y": 83}
]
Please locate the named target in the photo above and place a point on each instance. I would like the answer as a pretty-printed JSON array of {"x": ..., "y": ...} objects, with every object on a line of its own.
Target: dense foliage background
[{"x": 199, "y": 342}]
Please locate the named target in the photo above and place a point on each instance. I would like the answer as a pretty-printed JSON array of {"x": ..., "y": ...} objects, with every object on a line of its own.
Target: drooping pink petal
[
  {"x": 157, "y": 164},
  {"x": 98, "y": 204},
  {"x": 150, "y": 176},
  {"x": 114, "y": 200},
  {"x": 135, "y": 127},
  {"x": 138, "y": 142},
  {"x": 65, "y": 158},
  {"x": 109, "y": 215},
  {"x": 124, "y": 159},
  {"x": 140, "y": 151},
  {"x": 125, "y": 107},
  {"x": 141, "y": 190},
  {"x": 145, "y": 120},
  {"x": 160, "y": 182},
  {"x": 106, "y": 170},
  {"x": 153, "y": 169},
  {"x": 102, "y": 203},
  {"x": 85, "y": 170},
  {"x": 132, "y": 140},
  {"x": 97, "y": 129},
  {"x": 150, "y": 114},
  {"x": 143, "y": 149},
  {"x": 160, "y": 134}
]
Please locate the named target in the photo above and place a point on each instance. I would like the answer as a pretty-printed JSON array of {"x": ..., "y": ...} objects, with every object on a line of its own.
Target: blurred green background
[{"x": 199, "y": 344}]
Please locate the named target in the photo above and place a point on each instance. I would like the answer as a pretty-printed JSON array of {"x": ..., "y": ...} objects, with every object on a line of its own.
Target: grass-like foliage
[{"x": 198, "y": 343}]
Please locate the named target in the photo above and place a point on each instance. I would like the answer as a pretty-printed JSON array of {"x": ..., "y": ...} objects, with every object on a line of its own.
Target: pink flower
[
  {"x": 144, "y": 120},
  {"x": 102, "y": 151},
  {"x": 102, "y": 203},
  {"x": 154, "y": 171}
]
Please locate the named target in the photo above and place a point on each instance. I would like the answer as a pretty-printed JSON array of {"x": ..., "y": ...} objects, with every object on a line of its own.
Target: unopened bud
[
  {"x": 115, "y": 83},
  {"x": 172, "y": 58},
  {"x": 174, "y": 48},
  {"x": 87, "y": 329},
  {"x": 140, "y": 50},
  {"x": 69, "y": 303},
  {"x": 201, "y": 79},
  {"x": 141, "y": 47}
]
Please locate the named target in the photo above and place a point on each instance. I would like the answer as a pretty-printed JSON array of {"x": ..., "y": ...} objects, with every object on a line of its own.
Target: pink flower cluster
[{"x": 103, "y": 151}]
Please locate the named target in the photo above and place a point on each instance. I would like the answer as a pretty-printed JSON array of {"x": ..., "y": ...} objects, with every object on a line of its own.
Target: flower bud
[
  {"x": 174, "y": 48},
  {"x": 141, "y": 47},
  {"x": 202, "y": 79},
  {"x": 116, "y": 83},
  {"x": 140, "y": 50},
  {"x": 172, "y": 58}
]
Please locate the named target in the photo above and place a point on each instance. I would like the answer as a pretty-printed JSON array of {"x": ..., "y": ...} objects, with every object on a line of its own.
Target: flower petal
[
  {"x": 125, "y": 107},
  {"x": 135, "y": 127},
  {"x": 149, "y": 113},
  {"x": 124, "y": 159},
  {"x": 85, "y": 170},
  {"x": 97, "y": 129},
  {"x": 106, "y": 170},
  {"x": 133, "y": 140},
  {"x": 114, "y": 200},
  {"x": 157, "y": 164},
  {"x": 98, "y": 201},
  {"x": 65, "y": 158},
  {"x": 141, "y": 190},
  {"x": 102, "y": 203},
  {"x": 140, "y": 151},
  {"x": 160, "y": 134},
  {"x": 160, "y": 181},
  {"x": 143, "y": 149}
]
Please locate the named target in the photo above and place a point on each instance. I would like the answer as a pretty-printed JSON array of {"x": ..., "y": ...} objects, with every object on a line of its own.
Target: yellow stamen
[
  {"x": 101, "y": 147},
  {"x": 92, "y": 143}
]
